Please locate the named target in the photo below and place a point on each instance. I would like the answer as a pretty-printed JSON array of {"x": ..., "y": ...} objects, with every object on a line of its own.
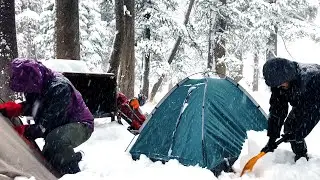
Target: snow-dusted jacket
[
  {"x": 303, "y": 95},
  {"x": 51, "y": 98}
]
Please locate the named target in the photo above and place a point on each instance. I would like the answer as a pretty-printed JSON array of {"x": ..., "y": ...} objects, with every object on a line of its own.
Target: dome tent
[{"x": 203, "y": 120}]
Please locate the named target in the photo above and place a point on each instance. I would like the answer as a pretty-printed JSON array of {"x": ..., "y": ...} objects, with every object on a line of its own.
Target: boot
[
  {"x": 72, "y": 167},
  {"x": 297, "y": 157},
  {"x": 300, "y": 149}
]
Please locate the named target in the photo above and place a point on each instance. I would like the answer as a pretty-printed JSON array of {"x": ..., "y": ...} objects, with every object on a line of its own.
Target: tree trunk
[
  {"x": 8, "y": 45},
  {"x": 146, "y": 71},
  {"x": 155, "y": 87},
  {"x": 255, "y": 83},
  {"x": 67, "y": 29},
  {"x": 219, "y": 44},
  {"x": 127, "y": 70},
  {"x": 272, "y": 44},
  {"x": 272, "y": 47},
  {"x": 210, "y": 47},
  {"x": 31, "y": 47},
  {"x": 173, "y": 52},
  {"x": 119, "y": 38},
  {"x": 145, "y": 88},
  {"x": 239, "y": 70},
  {"x": 177, "y": 44}
]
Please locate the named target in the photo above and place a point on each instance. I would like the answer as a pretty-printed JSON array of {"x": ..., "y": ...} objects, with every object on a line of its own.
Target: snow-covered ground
[{"x": 106, "y": 158}]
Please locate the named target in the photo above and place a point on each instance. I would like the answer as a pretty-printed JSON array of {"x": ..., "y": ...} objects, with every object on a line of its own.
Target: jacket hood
[
  {"x": 279, "y": 70},
  {"x": 28, "y": 75}
]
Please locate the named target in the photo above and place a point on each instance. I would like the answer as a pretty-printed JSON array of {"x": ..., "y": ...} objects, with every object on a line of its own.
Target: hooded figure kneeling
[{"x": 61, "y": 117}]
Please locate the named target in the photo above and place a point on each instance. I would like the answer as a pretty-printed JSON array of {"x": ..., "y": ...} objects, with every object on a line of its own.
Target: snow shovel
[{"x": 249, "y": 165}]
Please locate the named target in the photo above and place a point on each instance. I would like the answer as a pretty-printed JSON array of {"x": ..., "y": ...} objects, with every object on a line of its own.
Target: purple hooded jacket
[{"x": 51, "y": 98}]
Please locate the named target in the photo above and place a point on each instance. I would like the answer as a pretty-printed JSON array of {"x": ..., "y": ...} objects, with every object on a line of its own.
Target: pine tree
[
  {"x": 45, "y": 40},
  {"x": 95, "y": 35}
]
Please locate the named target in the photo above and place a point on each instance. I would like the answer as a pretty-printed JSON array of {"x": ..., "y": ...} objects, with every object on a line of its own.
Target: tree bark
[
  {"x": 155, "y": 87},
  {"x": 173, "y": 52},
  {"x": 127, "y": 70},
  {"x": 177, "y": 44},
  {"x": 146, "y": 71},
  {"x": 115, "y": 58},
  {"x": 272, "y": 44},
  {"x": 8, "y": 45},
  {"x": 239, "y": 71},
  {"x": 219, "y": 44},
  {"x": 67, "y": 29},
  {"x": 272, "y": 47},
  {"x": 210, "y": 47},
  {"x": 255, "y": 83}
]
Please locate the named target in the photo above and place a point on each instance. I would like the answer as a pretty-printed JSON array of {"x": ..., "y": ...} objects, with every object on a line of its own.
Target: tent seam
[{"x": 203, "y": 105}]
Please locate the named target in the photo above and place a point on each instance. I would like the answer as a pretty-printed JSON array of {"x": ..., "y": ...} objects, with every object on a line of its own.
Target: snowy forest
[{"x": 149, "y": 43}]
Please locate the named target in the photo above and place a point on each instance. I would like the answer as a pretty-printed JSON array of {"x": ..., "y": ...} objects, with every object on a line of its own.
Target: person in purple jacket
[{"x": 60, "y": 114}]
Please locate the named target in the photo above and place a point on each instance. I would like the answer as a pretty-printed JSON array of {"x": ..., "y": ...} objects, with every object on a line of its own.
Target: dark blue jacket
[{"x": 303, "y": 95}]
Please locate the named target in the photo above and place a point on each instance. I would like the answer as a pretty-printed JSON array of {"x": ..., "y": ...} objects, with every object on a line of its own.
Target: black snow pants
[
  {"x": 59, "y": 144},
  {"x": 300, "y": 123}
]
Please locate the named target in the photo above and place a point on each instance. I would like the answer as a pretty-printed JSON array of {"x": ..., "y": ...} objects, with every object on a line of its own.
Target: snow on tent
[
  {"x": 202, "y": 120},
  {"x": 19, "y": 159}
]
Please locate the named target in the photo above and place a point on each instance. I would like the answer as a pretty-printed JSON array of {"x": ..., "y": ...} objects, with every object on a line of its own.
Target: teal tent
[{"x": 202, "y": 120}]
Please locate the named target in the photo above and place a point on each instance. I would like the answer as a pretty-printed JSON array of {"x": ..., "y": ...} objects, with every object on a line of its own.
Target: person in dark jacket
[
  {"x": 299, "y": 85},
  {"x": 60, "y": 114}
]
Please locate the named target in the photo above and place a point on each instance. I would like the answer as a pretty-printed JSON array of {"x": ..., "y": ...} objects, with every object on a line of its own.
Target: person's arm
[
  {"x": 53, "y": 110},
  {"x": 27, "y": 105},
  {"x": 277, "y": 113}
]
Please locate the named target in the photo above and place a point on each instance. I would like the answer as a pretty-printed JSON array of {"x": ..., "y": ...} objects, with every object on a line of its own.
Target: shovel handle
[{"x": 281, "y": 140}]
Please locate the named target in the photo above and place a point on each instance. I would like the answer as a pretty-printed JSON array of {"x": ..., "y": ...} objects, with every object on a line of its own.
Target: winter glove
[
  {"x": 11, "y": 109},
  {"x": 34, "y": 131},
  {"x": 271, "y": 145},
  {"x": 31, "y": 132}
]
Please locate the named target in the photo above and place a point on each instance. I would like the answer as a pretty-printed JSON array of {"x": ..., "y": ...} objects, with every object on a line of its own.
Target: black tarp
[{"x": 98, "y": 92}]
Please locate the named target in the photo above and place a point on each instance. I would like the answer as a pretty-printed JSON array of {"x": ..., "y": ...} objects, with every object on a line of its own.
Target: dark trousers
[
  {"x": 300, "y": 122},
  {"x": 59, "y": 144}
]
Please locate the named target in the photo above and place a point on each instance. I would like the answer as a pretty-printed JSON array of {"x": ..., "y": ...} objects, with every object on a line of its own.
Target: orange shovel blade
[{"x": 251, "y": 163}]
